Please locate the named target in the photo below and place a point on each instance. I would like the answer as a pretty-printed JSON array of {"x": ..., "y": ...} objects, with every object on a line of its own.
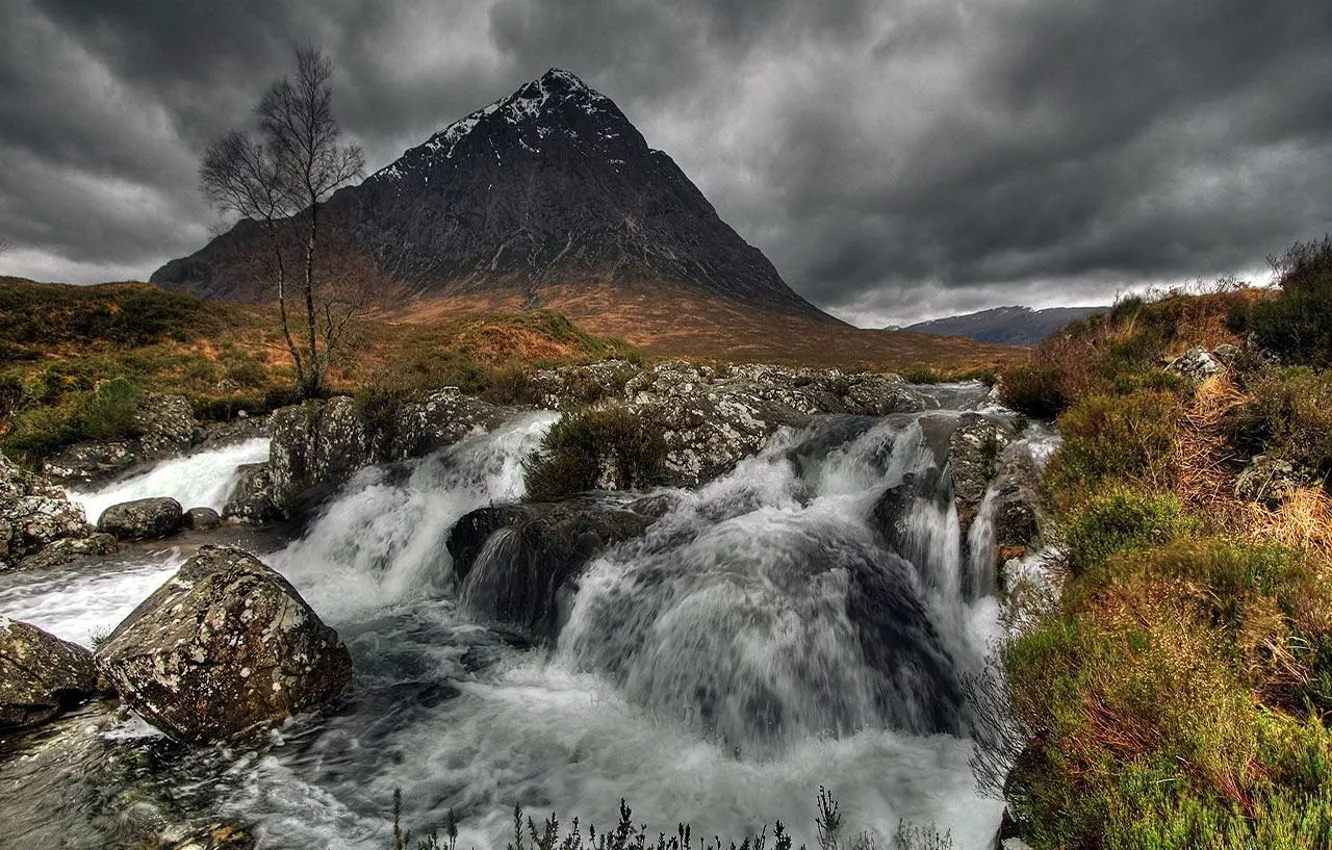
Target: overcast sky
[{"x": 896, "y": 159}]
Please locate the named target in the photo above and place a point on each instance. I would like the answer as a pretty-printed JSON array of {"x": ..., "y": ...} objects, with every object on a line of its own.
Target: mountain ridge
[
  {"x": 550, "y": 185},
  {"x": 1013, "y": 325}
]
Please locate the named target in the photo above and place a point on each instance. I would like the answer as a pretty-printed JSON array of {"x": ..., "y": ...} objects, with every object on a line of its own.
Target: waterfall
[
  {"x": 201, "y": 480},
  {"x": 773, "y": 604}
]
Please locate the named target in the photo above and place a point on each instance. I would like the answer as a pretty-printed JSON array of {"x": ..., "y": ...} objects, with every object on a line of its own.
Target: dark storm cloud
[{"x": 895, "y": 158}]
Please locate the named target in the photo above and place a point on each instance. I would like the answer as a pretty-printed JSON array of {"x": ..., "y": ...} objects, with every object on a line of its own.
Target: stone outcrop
[
  {"x": 516, "y": 562},
  {"x": 319, "y": 445},
  {"x": 225, "y": 647},
  {"x": 1271, "y": 480},
  {"x": 142, "y": 519},
  {"x": 40, "y": 675},
  {"x": 67, "y": 550},
  {"x": 254, "y": 501},
  {"x": 33, "y": 515},
  {"x": 712, "y": 419},
  {"x": 975, "y": 455},
  {"x": 1196, "y": 364},
  {"x": 570, "y": 386},
  {"x": 166, "y": 427}
]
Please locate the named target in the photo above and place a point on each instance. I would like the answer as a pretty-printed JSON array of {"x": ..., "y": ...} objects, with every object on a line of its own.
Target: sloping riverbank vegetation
[{"x": 1176, "y": 692}]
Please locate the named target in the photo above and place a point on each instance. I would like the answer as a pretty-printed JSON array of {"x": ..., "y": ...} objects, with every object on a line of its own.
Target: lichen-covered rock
[
  {"x": 165, "y": 426},
  {"x": 142, "y": 519},
  {"x": 1195, "y": 364},
  {"x": 67, "y": 550},
  {"x": 201, "y": 519},
  {"x": 40, "y": 674},
  {"x": 254, "y": 500},
  {"x": 225, "y": 647},
  {"x": 1271, "y": 480},
  {"x": 442, "y": 419},
  {"x": 975, "y": 455},
  {"x": 318, "y": 445},
  {"x": 712, "y": 419},
  {"x": 33, "y": 514},
  {"x": 572, "y": 386}
]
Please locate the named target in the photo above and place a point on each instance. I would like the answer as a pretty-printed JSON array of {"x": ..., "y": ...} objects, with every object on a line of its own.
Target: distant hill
[{"x": 1006, "y": 325}]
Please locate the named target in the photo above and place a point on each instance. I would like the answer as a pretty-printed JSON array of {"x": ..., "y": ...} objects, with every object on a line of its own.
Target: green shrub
[
  {"x": 1119, "y": 439},
  {"x": 111, "y": 412},
  {"x": 582, "y": 446},
  {"x": 1297, "y": 325},
  {"x": 1035, "y": 389},
  {"x": 1290, "y": 418},
  {"x": 1122, "y": 520}
]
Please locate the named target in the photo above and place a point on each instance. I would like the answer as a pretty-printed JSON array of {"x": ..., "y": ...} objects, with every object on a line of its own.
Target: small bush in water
[{"x": 588, "y": 447}]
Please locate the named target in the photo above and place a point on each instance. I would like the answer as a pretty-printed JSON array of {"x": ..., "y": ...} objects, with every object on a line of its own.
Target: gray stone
[
  {"x": 1195, "y": 364},
  {"x": 166, "y": 427},
  {"x": 142, "y": 519},
  {"x": 254, "y": 500},
  {"x": 40, "y": 675},
  {"x": 67, "y": 550},
  {"x": 573, "y": 386},
  {"x": 201, "y": 519},
  {"x": 1271, "y": 480},
  {"x": 975, "y": 456},
  {"x": 33, "y": 514},
  {"x": 224, "y": 648}
]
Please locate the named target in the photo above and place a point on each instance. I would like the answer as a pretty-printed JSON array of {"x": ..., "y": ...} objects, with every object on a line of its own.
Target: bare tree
[{"x": 280, "y": 179}]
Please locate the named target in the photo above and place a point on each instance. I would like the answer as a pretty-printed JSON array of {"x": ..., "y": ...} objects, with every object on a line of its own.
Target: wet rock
[
  {"x": 254, "y": 500},
  {"x": 319, "y": 445},
  {"x": 40, "y": 675},
  {"x": 225, "y": 647},
  {"x": 975, "y": 456},
  {"x": 165, "y": 426},
  {"x": 142, "y": 519},
  {"x": 573, "y": 386},
  {"x": 242, "y": 427},
  {"x": 70, "y": 549},
  {"x": 1019, "y": 520},
  {"x": 34, "y": 514},
  {"x": 1195, "y": 364},
  {"x": 201, "y": 519},
  {"x": 711, "y": 419},
  {"x": 1271, "y": 480},
  {"x": 515, "y": 562}
]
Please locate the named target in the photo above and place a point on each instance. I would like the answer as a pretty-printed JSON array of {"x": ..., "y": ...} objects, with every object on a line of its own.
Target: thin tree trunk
[
  {"x": 282, "y": 305},
  {"x": 316, "y": 377}
]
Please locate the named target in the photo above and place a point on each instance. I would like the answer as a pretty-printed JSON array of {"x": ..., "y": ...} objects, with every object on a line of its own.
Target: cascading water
[
  {"x": 201, "y": 480},
  {"x": 802, "y": 621}
]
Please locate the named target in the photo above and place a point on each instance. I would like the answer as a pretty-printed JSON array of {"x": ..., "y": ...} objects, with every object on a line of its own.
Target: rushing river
[{"x": 759, "y": 641}]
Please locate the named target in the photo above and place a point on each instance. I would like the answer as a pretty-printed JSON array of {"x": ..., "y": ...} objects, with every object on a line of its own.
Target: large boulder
[
  {"x": 40, "y": 675},
  {"x": 225, "y": 647},
  {"x": 565, "y": 387},
  {"x": 253, "y": 501},
  {"x": 165, "y": 426},
  {"x": 516, "y": 562},
  {"x": 142, "y": 519},
  {"x": 34, "y": 514}
]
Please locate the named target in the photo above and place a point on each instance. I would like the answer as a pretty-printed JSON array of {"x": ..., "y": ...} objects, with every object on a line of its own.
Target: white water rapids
[
  {"x": 760, "y": 640},
  {"x": 202, "y": 480}
]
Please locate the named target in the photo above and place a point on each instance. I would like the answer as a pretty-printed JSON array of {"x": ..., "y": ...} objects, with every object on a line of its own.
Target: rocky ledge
[{"x": 34, "y": 515}]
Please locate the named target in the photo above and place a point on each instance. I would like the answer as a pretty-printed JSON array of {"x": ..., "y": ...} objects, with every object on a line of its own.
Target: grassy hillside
[
  {"x": 1176, "y": 693},
  {"x": 75, "y": 360}
]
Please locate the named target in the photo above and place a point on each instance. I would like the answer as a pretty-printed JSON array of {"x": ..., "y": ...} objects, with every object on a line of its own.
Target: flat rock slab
[
  {"x": 224, "y": 648},
  {"x": 40, "y": 674}
]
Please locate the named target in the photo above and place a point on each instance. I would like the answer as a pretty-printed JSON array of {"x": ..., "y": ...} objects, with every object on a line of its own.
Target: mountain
[
  {"x": 1006, "y": 325},
  {"x": 549, "y": 186}
]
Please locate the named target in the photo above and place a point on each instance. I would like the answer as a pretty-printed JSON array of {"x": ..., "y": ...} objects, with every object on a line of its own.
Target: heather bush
[{"x": 587, "y": 447}]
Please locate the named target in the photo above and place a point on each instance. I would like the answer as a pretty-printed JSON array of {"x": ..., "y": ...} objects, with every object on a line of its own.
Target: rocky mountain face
[
  {"x": 551, "y": 185},
  {"x": 1006, "y": 325}
]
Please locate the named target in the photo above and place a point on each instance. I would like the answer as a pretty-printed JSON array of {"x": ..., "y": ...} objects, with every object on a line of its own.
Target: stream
[{"x": 759, "y": 641}]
